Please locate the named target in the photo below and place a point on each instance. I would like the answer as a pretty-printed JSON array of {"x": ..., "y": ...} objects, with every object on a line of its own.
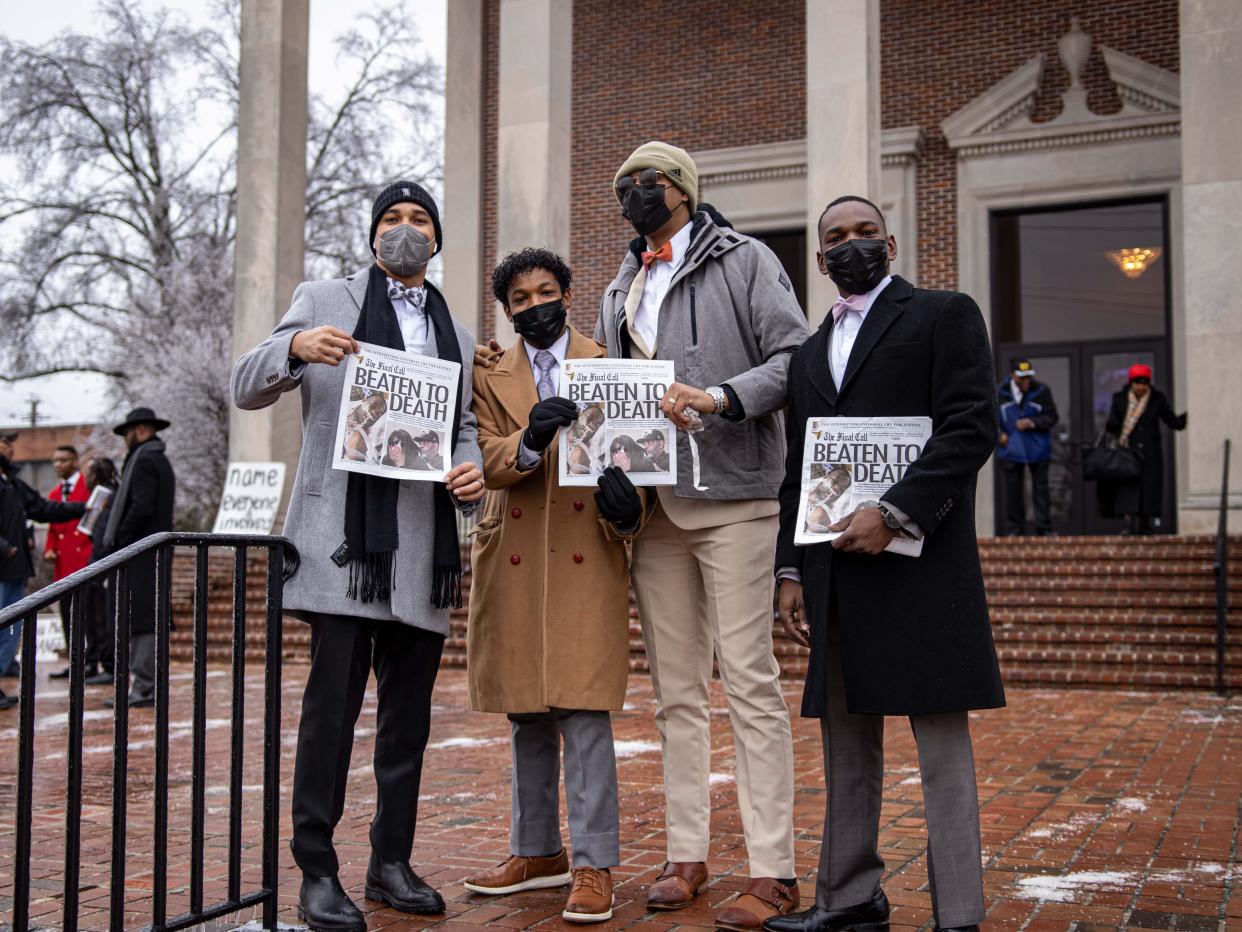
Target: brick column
[
  {"x": 271, "y": 208},
  {"x": 842, "y": 119},
  {"x": 1211, "y": 63}
]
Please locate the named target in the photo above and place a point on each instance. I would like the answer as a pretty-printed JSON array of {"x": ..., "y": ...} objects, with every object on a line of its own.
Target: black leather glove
[
  {"x": 546, "y": 418},
  {"x": 617, "y": 499}
]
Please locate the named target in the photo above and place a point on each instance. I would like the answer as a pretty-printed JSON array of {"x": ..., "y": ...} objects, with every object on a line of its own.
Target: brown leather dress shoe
[
  {"x": 678, "y": 885},
  {"x": 521, "y": 873},
  {"x": 590, "y": 898},
  {"x": 763, "y": 898}
]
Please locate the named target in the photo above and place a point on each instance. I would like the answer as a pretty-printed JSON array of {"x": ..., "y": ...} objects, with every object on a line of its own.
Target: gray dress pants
[
  {"x": 850, "y": 866},
  {"x": 142, "y": 666},
  {"x": 590, "y": 786}
]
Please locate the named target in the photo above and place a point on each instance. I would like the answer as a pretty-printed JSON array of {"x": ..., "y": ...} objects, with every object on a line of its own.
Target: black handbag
[{"x": 1109, "y": 462}]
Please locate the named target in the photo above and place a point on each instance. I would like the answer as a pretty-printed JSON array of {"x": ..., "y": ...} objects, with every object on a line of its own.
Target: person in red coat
[{"x": 67, "y": 548}]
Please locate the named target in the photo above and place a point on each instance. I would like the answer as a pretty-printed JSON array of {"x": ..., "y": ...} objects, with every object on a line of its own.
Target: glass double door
[{"x": 1083, "y": 378}]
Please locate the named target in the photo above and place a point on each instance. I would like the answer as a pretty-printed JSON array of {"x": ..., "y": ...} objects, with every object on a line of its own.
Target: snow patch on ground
[
  {"x": 1070, "y": 888},
  {"x": 1131, "y": 804},
  {"x": 1058, "y": 830},
  {"x": 465, "y": 743},
  {"x": 634, "y": 748},
  {"x": 718, "y": 778}
]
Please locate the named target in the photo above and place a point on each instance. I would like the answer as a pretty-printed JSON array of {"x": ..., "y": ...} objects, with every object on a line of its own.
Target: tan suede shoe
[
  {"x": 763, "y": 898},
  {"x": 677, "y": 885},
  {"x": 519, "y": 873},
  {"x": 590, "y": 898}
]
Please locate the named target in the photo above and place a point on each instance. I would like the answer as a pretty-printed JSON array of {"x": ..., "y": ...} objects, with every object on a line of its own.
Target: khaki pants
[{"x": 701, "y": 592}]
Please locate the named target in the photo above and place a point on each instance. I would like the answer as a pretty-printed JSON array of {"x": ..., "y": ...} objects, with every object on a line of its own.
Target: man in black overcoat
[
  {"x": 892, "y": 634},
  {"x": 142, "y": 506}
]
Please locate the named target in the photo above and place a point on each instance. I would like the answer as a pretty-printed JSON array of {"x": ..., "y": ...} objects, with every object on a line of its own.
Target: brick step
[
  {"x": 1123, "y": 637},
  {"x": 1065, "y": 581},
  {"x": 1091, "y": 599},
  {"x": 1087, "y": 676},
  {"x": 1128, "y": 569},
  {"x": 1137, "y": 617},
  {"x": 1138, "y": 658}
]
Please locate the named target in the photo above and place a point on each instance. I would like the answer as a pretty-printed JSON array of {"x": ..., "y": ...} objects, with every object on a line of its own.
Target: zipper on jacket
[{"x": 694, "y": 321}]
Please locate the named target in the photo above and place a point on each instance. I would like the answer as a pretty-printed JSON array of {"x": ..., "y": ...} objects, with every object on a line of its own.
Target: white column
[
  {"x": 271, "y": 207},
  {"x": 533, "y": 133},
  {"x": 463, "y": 163},
  {"x": 842, "y": 119},
  {"x": 1211, "y": 63}
]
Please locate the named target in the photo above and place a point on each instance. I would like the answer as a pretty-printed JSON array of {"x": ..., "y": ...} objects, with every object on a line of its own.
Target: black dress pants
[
  {"x": 343, "y": 651},
  {"x": 1015, "y": 495}
]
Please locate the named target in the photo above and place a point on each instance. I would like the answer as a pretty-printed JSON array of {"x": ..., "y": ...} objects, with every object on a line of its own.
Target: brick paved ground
[{"x": 1100, "y": 810}]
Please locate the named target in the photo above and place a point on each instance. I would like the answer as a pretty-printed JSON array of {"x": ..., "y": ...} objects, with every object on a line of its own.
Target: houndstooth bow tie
[{"x": 415, "y": 297}]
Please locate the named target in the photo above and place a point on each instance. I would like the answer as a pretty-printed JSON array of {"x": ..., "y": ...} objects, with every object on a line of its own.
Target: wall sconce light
[{"x": 1134, "y": 262}]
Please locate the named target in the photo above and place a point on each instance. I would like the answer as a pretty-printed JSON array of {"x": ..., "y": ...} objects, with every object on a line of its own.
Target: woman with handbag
[{"x": 1134, "y": 420}]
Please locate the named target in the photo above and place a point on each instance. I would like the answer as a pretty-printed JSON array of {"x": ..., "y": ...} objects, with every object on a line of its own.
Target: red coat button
[
  {"x": 516, "y": 512},
  {"x": 577, "y": 558},
  {"x": 515, "y": 559},
  {"x": 578, "y": 506}
]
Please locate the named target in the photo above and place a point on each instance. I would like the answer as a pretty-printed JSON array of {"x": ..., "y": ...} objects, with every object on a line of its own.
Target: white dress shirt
[
  {"x": 659, "y": 277},
  {"x": 528, "y": 458},
  {"x": 413, "y": 321},
  {"x": 845, "y": 332}
]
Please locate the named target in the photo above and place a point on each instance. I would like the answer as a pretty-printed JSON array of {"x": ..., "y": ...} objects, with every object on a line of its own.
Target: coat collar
[
  {"x": 884, "y": 312},
  {"x": 513, "y": 382}
]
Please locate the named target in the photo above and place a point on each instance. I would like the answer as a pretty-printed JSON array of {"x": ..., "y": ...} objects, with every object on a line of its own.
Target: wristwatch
[
  {"x": 889, "y": 519},
  {"x": 718, "y": 397}
]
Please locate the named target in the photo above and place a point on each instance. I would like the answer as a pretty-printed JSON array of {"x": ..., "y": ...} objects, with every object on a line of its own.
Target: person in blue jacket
[{"x": 1027, "y": 415}]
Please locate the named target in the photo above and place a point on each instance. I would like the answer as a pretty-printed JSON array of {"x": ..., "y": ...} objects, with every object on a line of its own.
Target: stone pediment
[{"x": 999, "y": 119}]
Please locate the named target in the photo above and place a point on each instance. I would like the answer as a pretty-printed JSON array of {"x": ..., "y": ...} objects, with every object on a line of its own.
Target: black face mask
[
  {"x": 542, "y": 324},
  {"x": 858, "y": 265},
  {"x": 645, "y": 209}
]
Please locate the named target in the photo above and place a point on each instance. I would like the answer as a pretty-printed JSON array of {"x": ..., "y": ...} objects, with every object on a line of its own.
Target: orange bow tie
[{"x": 664, "y": 254}]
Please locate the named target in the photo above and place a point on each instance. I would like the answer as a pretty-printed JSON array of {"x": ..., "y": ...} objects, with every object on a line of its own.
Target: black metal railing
[
  {"x": 1221, "y": 568},
  {"x": 116, "y": 570}
]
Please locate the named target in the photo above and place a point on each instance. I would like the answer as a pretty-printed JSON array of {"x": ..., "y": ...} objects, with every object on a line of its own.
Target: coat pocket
[
  {"x": 318, "y": 456},
  {"x": 896, "y": 350}
]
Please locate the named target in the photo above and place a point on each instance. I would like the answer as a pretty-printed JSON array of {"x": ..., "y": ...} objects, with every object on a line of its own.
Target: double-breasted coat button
[
  {"x": 516, "y": 512},
  {"x": 578, "y": 506},
  {"x": 577, "y": 558},
  {"x": 515, "y": 559}
]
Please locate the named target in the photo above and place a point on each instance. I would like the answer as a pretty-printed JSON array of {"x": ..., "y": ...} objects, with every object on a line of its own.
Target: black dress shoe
[
  {"x": 393, "y": 882},
  {"x": 324, "y": 905},
  {"x": 871, "y": 916},
  {"x": 103, "y": 678},
  {"x": 7, "y": 701},
  {"x": 60, "y": 674}
]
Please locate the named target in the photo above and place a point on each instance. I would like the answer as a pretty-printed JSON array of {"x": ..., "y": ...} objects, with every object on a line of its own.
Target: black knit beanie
[{"x": 400, "y": 191}]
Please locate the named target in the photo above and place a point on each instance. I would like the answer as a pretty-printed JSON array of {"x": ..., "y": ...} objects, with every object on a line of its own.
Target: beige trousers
[{"x": 704, "y": 592}]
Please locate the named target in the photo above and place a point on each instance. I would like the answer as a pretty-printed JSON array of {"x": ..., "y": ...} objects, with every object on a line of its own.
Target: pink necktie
[{"x": 854, "y": 302}]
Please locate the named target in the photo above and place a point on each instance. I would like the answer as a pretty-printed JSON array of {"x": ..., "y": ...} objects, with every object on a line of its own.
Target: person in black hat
[
  {"x": 19, "y": 503},
  {"x": 142, "y": 506},
  {"x": 653, "y": 446},
  {"x": 429, "y": 448},
  {"x": 1027, "y": 414},
  {"x": 380, "y": 558}
]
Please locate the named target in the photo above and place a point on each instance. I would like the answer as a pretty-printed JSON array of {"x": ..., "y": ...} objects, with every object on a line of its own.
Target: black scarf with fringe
[{"x": 371, "y": 501}]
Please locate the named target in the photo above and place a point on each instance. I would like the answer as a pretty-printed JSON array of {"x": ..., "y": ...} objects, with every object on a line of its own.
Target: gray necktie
[{"x": 545, "y": 361}]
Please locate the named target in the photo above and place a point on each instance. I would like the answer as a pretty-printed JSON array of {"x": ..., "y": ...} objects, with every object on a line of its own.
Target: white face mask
[{"x": 404, "y": 250}]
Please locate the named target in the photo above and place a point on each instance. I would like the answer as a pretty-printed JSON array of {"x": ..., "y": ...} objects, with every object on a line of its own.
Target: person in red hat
[{"x": 1134, "y": 419}]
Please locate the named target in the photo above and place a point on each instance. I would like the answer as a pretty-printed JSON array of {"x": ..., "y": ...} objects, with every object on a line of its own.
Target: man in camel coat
[{"x": 549, "y": 602}]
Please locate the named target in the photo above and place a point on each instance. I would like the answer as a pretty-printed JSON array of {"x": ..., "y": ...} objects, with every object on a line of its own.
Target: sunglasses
[
  {"x": 647, "y": 178},
  {"x": 1140, "y": 380}
]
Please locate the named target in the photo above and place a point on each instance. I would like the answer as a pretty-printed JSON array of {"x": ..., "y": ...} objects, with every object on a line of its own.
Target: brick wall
[
  {"x": 938, "y": 56},
  {"x": 708, "y": 75}
]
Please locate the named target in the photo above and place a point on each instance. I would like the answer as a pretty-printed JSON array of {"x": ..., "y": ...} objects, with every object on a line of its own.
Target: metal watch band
[{"x": 718, "y": 397}]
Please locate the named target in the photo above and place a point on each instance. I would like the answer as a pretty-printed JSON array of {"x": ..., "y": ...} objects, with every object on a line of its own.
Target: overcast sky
[{"x": 75, "y": 399}]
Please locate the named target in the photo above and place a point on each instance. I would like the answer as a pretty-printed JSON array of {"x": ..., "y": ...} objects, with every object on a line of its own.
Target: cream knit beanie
[{"x": 674, "y": 162}]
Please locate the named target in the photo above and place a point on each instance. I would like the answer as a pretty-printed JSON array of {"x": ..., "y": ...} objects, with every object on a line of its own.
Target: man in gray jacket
[
  {"x": 719, "y": 305},
  {"x": 380, "y": 559}
]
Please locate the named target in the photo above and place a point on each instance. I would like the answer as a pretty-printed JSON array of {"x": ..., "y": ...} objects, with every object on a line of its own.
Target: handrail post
[{"x": 1221, "y": 569}]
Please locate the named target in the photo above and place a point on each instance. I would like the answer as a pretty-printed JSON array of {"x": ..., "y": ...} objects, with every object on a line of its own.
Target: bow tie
[
  {"x": 663, "y": 254},
  {"x": 854, "y": 302},
  {"x": 416, "y": 297}
]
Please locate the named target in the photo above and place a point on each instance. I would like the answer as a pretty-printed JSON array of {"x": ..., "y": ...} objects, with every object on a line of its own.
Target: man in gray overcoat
[{"x": 380, "y": 558}]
